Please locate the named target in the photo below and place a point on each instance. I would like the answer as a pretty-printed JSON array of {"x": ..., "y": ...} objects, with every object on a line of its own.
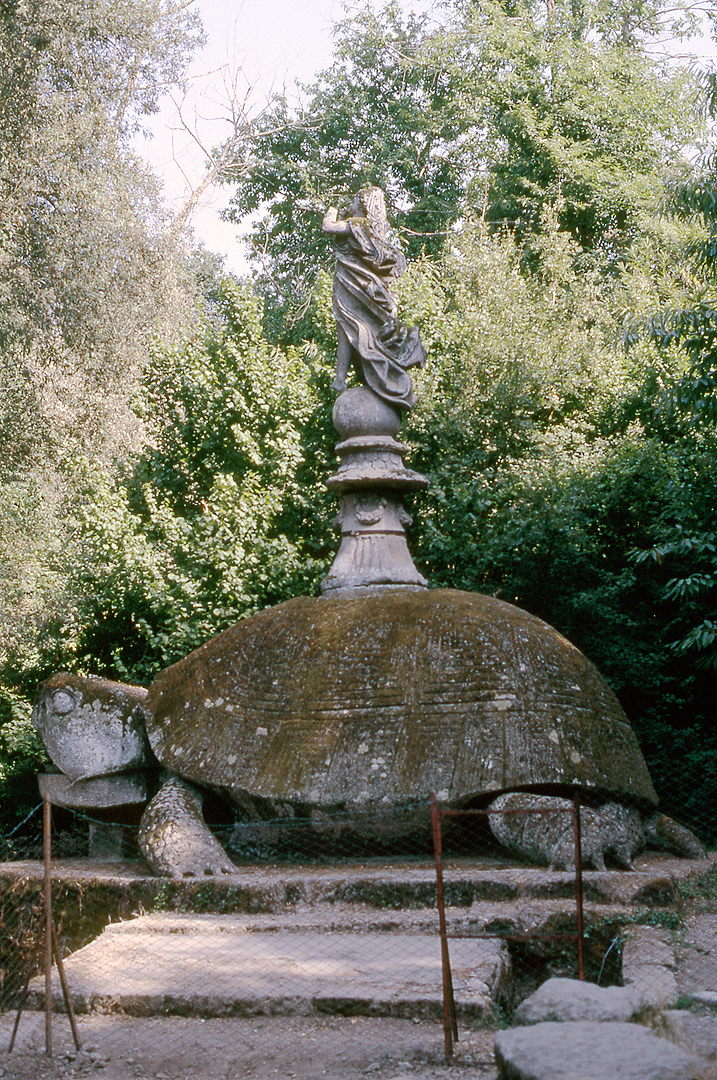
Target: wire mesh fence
[{"x": 341, "y": 916}]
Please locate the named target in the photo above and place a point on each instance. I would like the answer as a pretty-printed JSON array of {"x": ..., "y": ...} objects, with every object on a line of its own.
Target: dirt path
[{"x": 295, "y": 1048}]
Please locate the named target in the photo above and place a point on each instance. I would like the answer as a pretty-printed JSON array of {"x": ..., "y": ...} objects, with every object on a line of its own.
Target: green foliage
[
  {"x": 691, "y": 324},
  {"x": 571, "y": 111},
  {"x": 22, "y": 755},
  {"x": 703, "y": 887},
  {"x": 695, "y": 557},
  {"x": 685, "y": 539},
  {"x": 692, "y": 399},
  {"x": 89, "y": 275},
  {"x": 208, "y": 526},
  {"x": 80, "y": 251},
  {"x": 679, "y": 565},
  {"x": 524, "y": 400},
  {"x": 668, "y": 920}
]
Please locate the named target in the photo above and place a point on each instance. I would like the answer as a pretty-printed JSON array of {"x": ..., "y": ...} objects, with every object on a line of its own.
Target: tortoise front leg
[{"x": 174, "y": 837}]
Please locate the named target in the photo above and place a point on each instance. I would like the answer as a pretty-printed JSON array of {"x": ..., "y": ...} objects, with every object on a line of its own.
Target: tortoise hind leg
[{"x": 174, "y": 838}]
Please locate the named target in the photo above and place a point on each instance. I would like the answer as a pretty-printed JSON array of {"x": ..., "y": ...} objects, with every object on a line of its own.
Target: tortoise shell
[{"x": 382, "y": 698}]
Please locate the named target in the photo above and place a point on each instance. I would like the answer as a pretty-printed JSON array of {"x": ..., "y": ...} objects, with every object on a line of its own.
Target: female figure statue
[{"x": 379, "y": 346}]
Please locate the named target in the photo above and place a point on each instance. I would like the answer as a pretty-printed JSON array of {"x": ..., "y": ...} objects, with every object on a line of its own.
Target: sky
[
  {"x": 258, "y": 46},
  {"x": 262, "y": 44}
]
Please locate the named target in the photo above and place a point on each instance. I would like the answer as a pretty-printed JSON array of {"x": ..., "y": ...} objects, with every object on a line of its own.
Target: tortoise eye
[{"x": 63, "y": 701}]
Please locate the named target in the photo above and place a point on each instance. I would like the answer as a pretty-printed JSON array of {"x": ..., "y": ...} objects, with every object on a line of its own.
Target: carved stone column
[{"x": 371, "y": 481}]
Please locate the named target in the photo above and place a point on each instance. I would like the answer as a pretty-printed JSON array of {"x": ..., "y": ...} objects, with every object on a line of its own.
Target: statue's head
[{"x": 370, "y": 203}]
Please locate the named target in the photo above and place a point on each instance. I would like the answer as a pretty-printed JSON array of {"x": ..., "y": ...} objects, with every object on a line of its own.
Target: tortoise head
[{"x": 91, "y": 726}]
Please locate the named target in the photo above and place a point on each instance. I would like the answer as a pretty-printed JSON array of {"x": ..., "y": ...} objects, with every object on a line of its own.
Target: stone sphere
[
  {"x": 359, "y": 411},
  {"x": 379, "y": 700}
]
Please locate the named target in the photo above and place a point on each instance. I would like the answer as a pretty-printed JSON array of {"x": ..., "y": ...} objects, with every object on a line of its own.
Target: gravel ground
[{"x": 295, "y": 1048}]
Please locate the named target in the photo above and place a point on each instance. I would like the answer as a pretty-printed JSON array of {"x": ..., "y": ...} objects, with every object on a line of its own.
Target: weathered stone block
[
  {"x": 589, "y": 1051},
  {"x": 648, "y": 965},
  {"x": 696, "y": 1034},
  {"x": 105, "y": 791},
  {"x": 571, "y": 999}
]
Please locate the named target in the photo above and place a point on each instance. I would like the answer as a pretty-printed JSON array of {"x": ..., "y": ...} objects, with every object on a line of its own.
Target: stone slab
[
  {"x": 647, "y": 945},
  {"x": 705, "y": 997},
  {"x": 589, "y": 1051},
  {"x": 696, "y": 950},
  {"x": 218, "y": 966},
  {"x": 648, "y": 964},
  {"x": 656, "y": 985},
  {"x": 105, "y": 791},
  {"x": 398, "y": 883}
]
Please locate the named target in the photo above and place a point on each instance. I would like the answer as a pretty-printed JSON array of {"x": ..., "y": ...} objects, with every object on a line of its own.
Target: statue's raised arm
[{"x": 379, "y": 346}]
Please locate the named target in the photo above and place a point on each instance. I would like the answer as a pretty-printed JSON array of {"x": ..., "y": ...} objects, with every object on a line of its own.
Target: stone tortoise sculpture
[{"x": 327, "y": 707}]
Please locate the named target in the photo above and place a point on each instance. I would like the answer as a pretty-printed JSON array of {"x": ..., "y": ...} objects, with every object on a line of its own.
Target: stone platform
[{"x": 399, "y": 883}]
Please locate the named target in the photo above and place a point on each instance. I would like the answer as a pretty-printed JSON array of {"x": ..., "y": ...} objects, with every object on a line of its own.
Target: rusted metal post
[
  {"x": 65, "y": 988},
  {"x": 47, "y": 934},
  {"x": 26, "y": 988},
  {"x": 450, "y": 1026},
  {"x": 47, "y": 859},
  {"x": 579, "y": 884}
]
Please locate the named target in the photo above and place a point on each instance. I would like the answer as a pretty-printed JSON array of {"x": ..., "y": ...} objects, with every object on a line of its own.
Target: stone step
[
  {"x": 220, "y": 965},
  {"x": 583, "y": 1050}
]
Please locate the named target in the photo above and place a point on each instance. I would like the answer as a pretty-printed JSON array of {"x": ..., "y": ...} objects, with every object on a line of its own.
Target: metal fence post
[
  {"x": 47, "y": 859},
  {"x": 450, "y": 1025},
  {"x": 579, "y": 884}
]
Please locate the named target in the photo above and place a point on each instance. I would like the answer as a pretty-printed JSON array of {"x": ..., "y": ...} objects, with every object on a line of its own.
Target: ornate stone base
[
  {"x": 373, "y": 547},
  {"x": 371, "y": 480}
]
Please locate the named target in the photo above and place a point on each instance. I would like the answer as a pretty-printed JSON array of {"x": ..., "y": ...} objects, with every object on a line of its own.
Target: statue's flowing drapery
[{"x": 366, "y": 312}]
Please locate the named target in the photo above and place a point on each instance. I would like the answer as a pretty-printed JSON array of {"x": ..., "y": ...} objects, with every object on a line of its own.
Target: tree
[
  {"x": 79, "y": 211},
  {"x": 86, "y": 277},
  {"x": 498, "y": 114},
  {"x": 685, "y": 538},
  {"x": 87, "y": 280},
  {"x": 574, "y": 112}
]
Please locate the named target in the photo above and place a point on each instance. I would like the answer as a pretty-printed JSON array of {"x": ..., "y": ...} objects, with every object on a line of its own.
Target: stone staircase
[{"x": 362, "y": 939}]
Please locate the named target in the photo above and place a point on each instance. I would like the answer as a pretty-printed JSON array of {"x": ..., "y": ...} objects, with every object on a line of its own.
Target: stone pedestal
[
  {"x": 371, "y": 481},
  {"x": 108, "y": 841}
]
